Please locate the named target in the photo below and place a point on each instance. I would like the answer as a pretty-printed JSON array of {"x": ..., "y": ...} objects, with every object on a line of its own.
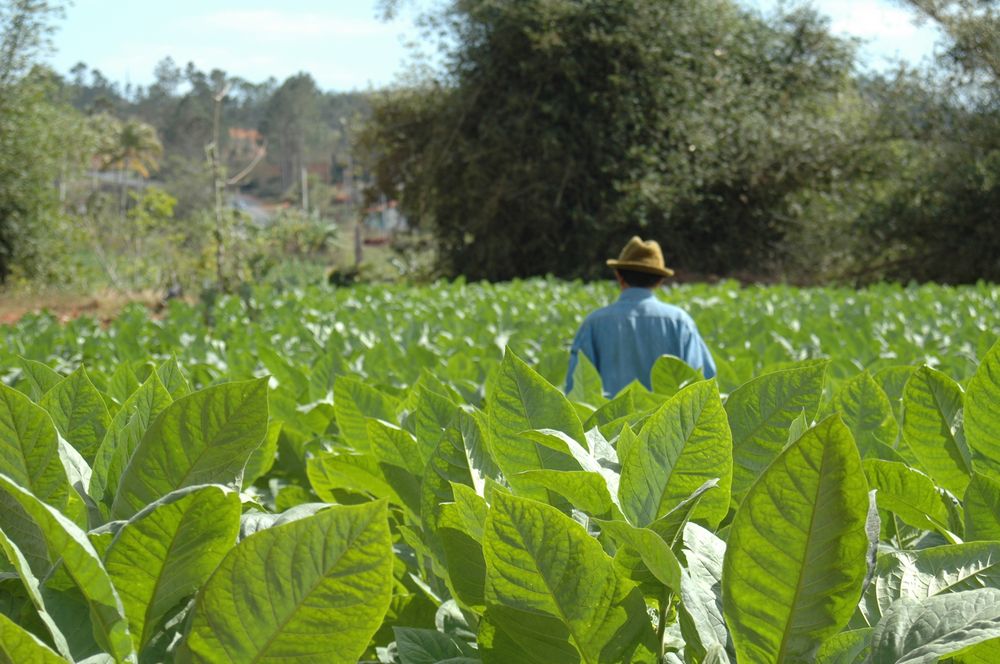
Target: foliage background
[{"x": 750, "y": 145}]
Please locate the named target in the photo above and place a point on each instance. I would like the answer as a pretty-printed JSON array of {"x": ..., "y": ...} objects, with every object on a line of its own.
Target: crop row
[{"x": 387, "y": 490}]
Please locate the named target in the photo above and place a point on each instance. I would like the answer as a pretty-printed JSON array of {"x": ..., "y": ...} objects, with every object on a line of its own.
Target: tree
[
  {"x": 37, "y": 137},
  {"x": 290, "y": 119},
  {"x": 25, "y": 26},
  {"x": 972, "y": 27},
  {"x": 128, "y": 147},
  {"x": 938, "y": 219},
  {"x": 559, "y": 127}
]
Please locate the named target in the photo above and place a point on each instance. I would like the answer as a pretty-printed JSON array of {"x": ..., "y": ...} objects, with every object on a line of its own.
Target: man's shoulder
[
  {"x": 655, "y": 307},
  {"x": 589, "y": 320},
  {"x": 603, "y": 312}
]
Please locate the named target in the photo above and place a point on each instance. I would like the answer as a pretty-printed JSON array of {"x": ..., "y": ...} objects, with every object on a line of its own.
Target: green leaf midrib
[
  {"x": 524, "y": 405},
  {"x": 562, "y": 616},
  {"x": 785, "y": 634},
  {"x": 702, "y": 406},
  {"x": 524, "y": 411},
  {"x": 948, "y": 588},
  {"x": 244, "y": 400},
  {"x": 948, "y": 422},
  {"x": 766, "y": 420},
  {"x": 261, "y": 652},
  {"x": 143, "y": 640}
]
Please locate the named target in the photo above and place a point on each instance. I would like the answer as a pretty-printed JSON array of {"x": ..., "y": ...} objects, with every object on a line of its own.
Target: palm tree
[{"x": 130, "y": 146}]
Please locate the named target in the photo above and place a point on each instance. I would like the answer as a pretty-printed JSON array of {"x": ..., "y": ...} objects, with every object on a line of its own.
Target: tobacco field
[{"x": 394, "y": 474}]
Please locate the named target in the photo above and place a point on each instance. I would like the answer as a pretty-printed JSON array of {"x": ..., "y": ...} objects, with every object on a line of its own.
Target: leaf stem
[{"x": 661, "y": 627}]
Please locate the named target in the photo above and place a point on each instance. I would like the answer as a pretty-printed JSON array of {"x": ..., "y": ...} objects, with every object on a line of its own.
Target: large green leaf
[
  {"x": 66, "y": 542},
  {"x": 40, "y": 378},
  {"x": 127, "y": 428},
  {"x": 332, "y": 472},
  {"x": 585, "y": 490},
  {"x": 892, "y": 380},
  {"x": 460, "y": 529},
  {"x": 700, "y": 609},
  {"x": 541, "y": 604},
  {"x": 395, "y": 446},
  {"x": 81, "y": 509},
  {"x": 324, "y": 371},
  {"x": 203, "y": 438},
  {"x": 917, "y": 575},
  {"x": 533, "y": 451},
  {"x": 760, "y": 413},
  {"x": 587, "y": 385},
  {"x": 585, "y": 476},
  {"x": 429, "y": 646},
  {"x": 670, "y": 528},
  {"x": 612, "y": 416},
  {"x": 173, "y": 379},
  {"x": 984, "y": 652},
  {"x": 19, "y": 646},
  {"x": 796, "y": 555},
  {"x": 29, "y": 449},
  {"x": 33, "y": 587},
  {"x": 912, "y": 496},
  {"x": 982, "y": 509},
  {"x": 263, "y": 458},
  {"x": 434, "y": 415},
  {"x": 167, "y": 550},
  {"x": 313, "y": 590},
  {"x": 867, "y": 413},
  {"x": 851, "y": 647},
  {"x": 921, "y": 632},
  {"x": 289, "y": 377},
  {"x": 982, "y": 414},
  {"x": 123, "y": 382},
  {"x": 681, "y": 446},
  {"x": 468, "y": 513},
  {"x": 932, "y": 428},
  {"x": 653, "y": 549},
  {"x": 521, "y": 401},
  {"x": 353, "y": 402},
  {"x": 461, "y": 459},
  {"x": 670, "y": 375},
  {"x": 448, "y": 466},
  {"x": 79, "y": 412}
]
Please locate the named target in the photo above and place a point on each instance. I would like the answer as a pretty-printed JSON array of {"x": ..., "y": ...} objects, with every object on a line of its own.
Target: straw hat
[{"x": 640, "y": 256}]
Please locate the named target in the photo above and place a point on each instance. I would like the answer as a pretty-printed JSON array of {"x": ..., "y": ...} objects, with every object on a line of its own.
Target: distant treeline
[
  {"x": 300, "y": 125},
  {"x": 103, "y": 184},
  {"x": 552, "y": 130},
  {"x": 747, "y": 144}
]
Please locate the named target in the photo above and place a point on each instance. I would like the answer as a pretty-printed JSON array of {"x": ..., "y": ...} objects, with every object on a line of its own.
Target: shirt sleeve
[
  {"x": 696, "y": 353},
  {"x": 583, "y": 341}
]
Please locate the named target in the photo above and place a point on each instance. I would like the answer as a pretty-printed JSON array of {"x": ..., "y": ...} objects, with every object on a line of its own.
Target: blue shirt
[{"x": 624, "y": 339}]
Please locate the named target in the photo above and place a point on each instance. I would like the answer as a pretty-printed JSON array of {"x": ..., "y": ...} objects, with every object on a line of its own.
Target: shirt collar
[{"x": 634, "y": 294}]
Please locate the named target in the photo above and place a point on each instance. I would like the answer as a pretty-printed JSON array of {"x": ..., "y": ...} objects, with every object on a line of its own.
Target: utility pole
[
  {"x": 359, "y": 246},
  {"x": 304, "y": 174},
  {"x": 349, "y": 185},
  {"x": 220, "y": 184}
]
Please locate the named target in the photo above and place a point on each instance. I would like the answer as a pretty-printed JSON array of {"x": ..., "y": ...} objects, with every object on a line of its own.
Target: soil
[{"x": 68, "y": 306}]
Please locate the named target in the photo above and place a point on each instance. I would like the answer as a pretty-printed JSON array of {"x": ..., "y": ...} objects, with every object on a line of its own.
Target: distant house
[{"x": 243, "y": 144}]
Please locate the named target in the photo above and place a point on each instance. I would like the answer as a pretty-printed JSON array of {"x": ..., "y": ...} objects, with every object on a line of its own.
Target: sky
[{"x": 342, "y": 43}]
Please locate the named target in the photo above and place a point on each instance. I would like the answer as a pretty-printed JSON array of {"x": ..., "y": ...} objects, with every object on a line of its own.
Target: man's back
[{"x": 624, "y": 339}]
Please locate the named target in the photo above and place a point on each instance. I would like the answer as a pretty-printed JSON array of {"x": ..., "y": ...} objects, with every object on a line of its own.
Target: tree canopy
[
  {"x": 554, "y": 129},
  {"x": 39, "y": 140}
]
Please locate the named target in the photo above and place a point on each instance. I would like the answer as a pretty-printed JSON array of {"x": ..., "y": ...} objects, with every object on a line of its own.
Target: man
[{"x": 624, "y": 339}]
